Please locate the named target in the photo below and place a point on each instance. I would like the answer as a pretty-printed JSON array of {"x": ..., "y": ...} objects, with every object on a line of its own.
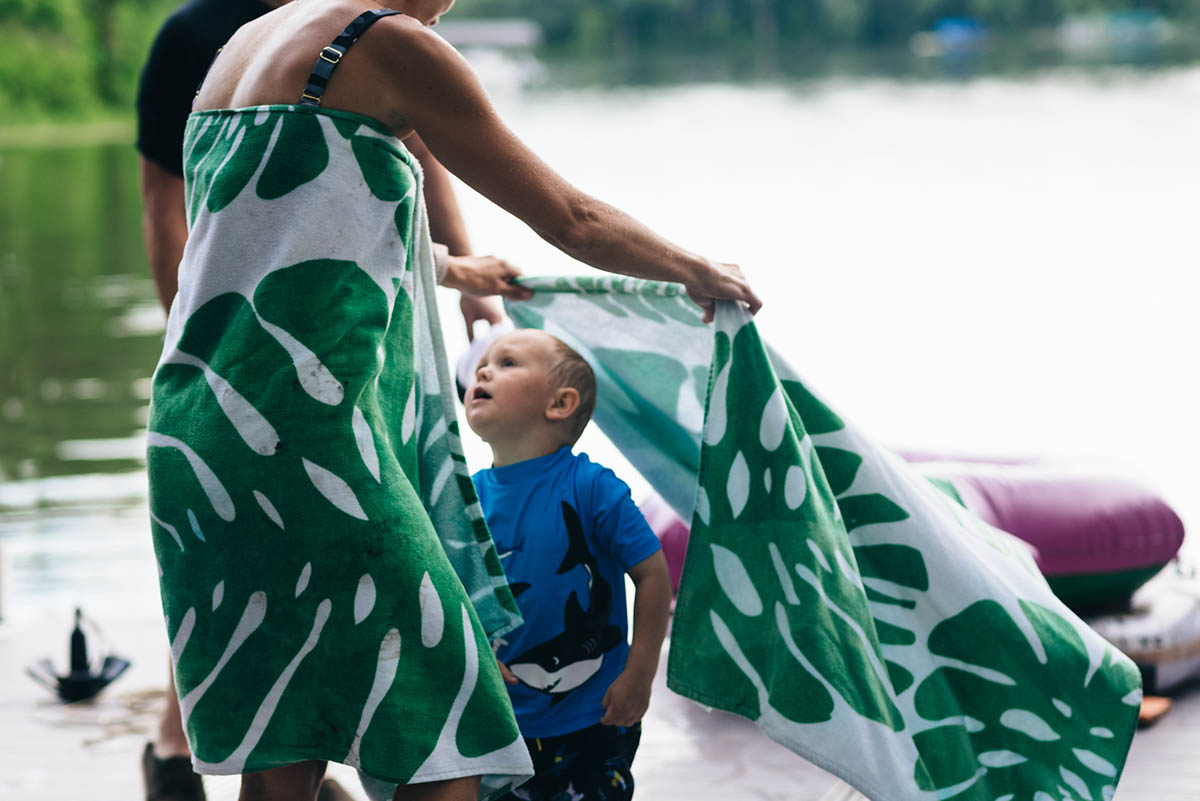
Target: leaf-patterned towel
[
  {"x": 830, "y": 593},
  {"x": 313, "y": 518}
]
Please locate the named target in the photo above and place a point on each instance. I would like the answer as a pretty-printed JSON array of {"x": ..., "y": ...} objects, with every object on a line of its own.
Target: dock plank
[{"x": 52, "y": 752}]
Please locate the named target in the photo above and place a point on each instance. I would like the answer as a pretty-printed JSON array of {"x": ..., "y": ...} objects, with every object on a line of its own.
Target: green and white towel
[
  {"x": 313, "y": 518},
  {"x": 830, "y": 593}
]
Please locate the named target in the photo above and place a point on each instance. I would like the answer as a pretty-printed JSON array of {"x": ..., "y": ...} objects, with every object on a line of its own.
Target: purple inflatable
[
  {"x": 672, "y": 533},
  {"x": 1097, "y": 538}
]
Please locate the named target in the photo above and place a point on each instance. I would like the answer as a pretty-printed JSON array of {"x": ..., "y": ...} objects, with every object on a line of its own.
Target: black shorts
[{"x": 592, "y": 764}]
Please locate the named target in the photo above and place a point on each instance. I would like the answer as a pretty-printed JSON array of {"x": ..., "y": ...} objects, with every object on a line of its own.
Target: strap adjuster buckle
[
  {"x": 335, "y": 57},
  {"x": 305, "y": 95}
]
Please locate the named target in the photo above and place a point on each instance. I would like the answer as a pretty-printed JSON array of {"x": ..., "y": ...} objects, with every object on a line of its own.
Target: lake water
[{"x": 991, "y": 266}]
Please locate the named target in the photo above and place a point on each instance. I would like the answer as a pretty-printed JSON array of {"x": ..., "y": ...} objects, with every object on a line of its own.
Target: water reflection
[
  {"x": 1086, "y": 43},
  {"x": 79, "y": 323},
  {"x": 92, "y": 553}
]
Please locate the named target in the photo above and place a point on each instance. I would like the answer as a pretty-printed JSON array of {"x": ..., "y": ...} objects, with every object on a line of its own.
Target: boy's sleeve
[{"x": 619, "y": 524}]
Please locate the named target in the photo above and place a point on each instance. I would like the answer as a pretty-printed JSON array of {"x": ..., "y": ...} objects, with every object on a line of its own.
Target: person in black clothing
[{"x": 178, "y": 61}]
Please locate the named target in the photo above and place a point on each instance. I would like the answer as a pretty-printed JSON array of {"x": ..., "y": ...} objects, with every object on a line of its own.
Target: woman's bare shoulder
[
  {"x": 422, "y": 68},
  {"x": 402, "y": 41}
]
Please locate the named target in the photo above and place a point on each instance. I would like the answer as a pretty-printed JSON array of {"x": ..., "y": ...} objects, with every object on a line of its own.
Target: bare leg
[
  {"x": 167, "y": 773},
  {"x": 171, "y": 741},
  {"x": 465, "y": 789},
  {"x": 298, "y": 782}
]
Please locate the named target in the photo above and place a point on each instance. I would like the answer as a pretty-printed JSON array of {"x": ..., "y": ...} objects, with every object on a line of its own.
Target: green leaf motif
[
  {"x": 336, "y": 317},
  {"x": 818, "y": 417},
  {"x": 877, "y": 597},
  {"x": 379, "y": 161},
  {"x": 1017, "y": 736},
  {"x": 899, "y": 564},
  {"x": 346, "y": 126},
  {"x": 840, "y": 467},
  {"x": 488, "y": 727},
  {"x": 946, "y": 486},
  {"x": 770, "y": 508},
  {"x": 206, "y": 149},
  {"x": 893, "y": 635},
  {"x": 229, "y": 149},
  {"x": 300, "y": 155},
  {"x": 871, "y": 509},
  {"x": 247, "y": 141},
  {"x": 900, "y": 677}
]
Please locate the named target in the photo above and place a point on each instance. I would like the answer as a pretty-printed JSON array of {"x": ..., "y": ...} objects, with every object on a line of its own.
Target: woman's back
[{"x": 269, "y": 61}]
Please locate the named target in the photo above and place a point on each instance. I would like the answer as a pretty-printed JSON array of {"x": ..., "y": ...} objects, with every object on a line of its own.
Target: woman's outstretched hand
[
  {"x": 721, "y": 282},
  {"x": 484, "y": 275}
]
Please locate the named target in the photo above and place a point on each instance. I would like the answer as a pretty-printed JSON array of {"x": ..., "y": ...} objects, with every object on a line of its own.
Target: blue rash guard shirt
[{"x": 567, "y": 531}]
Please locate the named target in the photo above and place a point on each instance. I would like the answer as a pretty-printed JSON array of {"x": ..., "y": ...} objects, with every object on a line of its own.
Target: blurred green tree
[{"x": 77, "y": 57}]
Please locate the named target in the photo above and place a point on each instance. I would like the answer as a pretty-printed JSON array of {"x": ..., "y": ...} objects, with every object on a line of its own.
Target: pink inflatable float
[
  {"x": 1097, "y": 538},
  {"x": 672, "y": 533}
]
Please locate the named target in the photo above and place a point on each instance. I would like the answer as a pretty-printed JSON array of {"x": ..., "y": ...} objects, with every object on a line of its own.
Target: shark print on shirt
[{"x": 565, "y": 661}]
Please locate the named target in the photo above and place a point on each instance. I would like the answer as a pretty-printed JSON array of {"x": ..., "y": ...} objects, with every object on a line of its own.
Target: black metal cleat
[{"x": 82, "y": 681}]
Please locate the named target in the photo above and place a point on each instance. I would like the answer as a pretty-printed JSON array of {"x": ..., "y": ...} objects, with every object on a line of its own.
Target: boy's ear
[{"x": 563, "y": 404}]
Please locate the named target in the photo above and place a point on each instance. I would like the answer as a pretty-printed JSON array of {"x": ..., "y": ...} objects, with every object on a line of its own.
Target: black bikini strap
[{"x": 332, "y": 53}]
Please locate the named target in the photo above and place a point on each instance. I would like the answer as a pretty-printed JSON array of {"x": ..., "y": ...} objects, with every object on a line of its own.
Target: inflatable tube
[
  {"x": 1161, "y": 633},
  {"x": 672, "y": 533},
  {"x": 1098, "y": 538}
]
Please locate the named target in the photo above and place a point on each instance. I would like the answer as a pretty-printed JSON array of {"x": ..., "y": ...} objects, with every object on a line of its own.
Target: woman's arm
[{"x": 441, "y": 97}]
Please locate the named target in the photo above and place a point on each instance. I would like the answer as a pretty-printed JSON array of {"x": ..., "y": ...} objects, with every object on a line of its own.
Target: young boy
[{"x": 566, "y": 530}]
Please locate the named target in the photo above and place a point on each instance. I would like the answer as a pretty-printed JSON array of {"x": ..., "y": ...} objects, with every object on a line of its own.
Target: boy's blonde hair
[{"x": 572, "y": 370}]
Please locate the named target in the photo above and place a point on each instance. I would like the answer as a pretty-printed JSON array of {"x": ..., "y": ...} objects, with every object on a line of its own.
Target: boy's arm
[{"x": 629, "y": 695}]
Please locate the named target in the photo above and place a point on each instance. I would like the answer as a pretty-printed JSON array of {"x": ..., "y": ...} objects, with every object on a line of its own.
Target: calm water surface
[{"x": 987, "y": 267}]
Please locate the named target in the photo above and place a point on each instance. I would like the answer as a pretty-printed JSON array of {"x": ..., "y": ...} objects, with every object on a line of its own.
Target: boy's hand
[
  {"x": 627, "y": 699},
  {"x": 475, "y": 308},
  {"x": 507, "y": 674}
]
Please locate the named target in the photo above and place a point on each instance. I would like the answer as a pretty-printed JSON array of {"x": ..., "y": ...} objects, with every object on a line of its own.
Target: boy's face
[{"x": 511, "y": 390}]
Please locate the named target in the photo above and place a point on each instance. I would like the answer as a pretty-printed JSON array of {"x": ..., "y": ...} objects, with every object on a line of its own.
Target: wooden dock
[{"x": 91, "y": 750}]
